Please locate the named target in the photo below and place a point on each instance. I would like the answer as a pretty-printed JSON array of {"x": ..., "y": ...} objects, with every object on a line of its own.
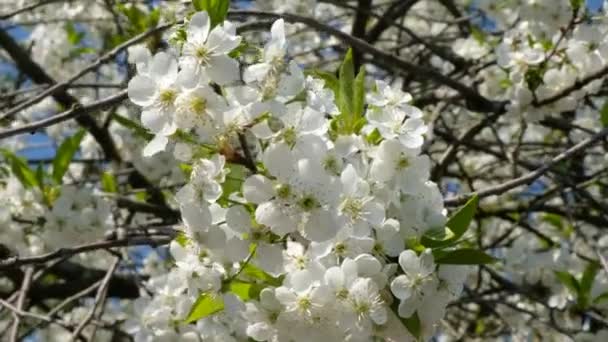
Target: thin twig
[
  {"x": 25, "y": 286},
  {"x": 100, "y": 299},
  {"x": 529, "y": 177}
]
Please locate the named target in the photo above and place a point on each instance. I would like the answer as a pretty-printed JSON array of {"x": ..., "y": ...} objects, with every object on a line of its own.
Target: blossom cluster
[{"x": 317, "y": 226}]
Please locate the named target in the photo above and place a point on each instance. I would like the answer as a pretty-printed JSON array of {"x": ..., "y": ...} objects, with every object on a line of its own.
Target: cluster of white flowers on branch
[
  {"x": 304, "y": 204},
  {"x": 296, "y": 189}
]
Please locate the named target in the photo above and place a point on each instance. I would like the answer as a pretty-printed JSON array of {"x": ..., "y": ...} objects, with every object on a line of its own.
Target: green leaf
[
  {"x": 464, "y": 256},
  {"x": 346, "y": 85},
  {"x": 74, "y": 36},
  {"x": 40, "y": 176},
  {"x": 244, "y": 290},
  {"x": 604, "y": 115},
  {"x": 576, "y": 4},
  {"x": 412, "y": 324},
  {"x": 460, "y": 221},
  {"x": 457, "y": 225},
  {"x": 568, "y": 281},
  {"x": 217, "y": 9},
  {"x": 478, "y": 35},
  {"x": 182, "y": 239},
  {"x": 588, "y": 277},
  {"x": 133, "y": 126},
  {"x": 586, "y": 283},
  {"x": 359, "y": 95},
  {"x": 374, "y": 137},
  {"x": 234, "y": 181},
  {"x": 108, "y": 182},
  {"x": 243, "y": 45},
  {"x": 257, "y": 273},
  {"x": 206, "y": 305},
  {"x": 20, "y": 169},
  {"x": 601, "y": 298},
  {"x": 65, "y": 154},
  {"x": 331, "y": 81}
]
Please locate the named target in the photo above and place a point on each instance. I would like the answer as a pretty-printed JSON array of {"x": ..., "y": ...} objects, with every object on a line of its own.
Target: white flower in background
[
  {"x": 417, "y": 282},
  {"x": 157, "y": 92},
  {"x": 207, "y": 49},
  {"x": 273, "y": 57}
]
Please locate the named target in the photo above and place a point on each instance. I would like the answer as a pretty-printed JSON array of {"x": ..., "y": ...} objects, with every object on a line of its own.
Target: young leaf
[
  {"x": 568, "y": 281},
  {"x": 359, "y": 95},
  {"x": 216, "y": 9},
  {"x": 244, "y": 290},
  {"x": 133, "y": 126},
  {"x": 74, "y": 36},
  {"x": 182, "y": 239},
  {"x": 206, "y": 305},
  {"x": 413, "y": 325},
  {"x": 331, "y": 81},
  {"x": 108, "y": 182},
  {"x": 346, "y": 82},
  {"x": 20, "y": 169},
  {"x": 257, "y": 273},
  {"x": 456, "y": 226},
  {"x": 65, "y": 153},
  {"x": 604, "y": 115},
  {"x": 460, "y": 221},
  {"x": 465, "y": 256},
  {"x": 586, "y": 283}
]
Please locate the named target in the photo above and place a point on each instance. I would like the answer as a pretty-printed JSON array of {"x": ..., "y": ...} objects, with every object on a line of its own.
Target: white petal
[
  {"x": 257, "y": 189},
  {"x": 367, "y": 265},
  {"x": 379, "y": 315},
  {"x": 163, "y": 68},
  {"x": 155, "y": 145},
  {"x": 222, "y": 42},
  {"x": 238, "y": 219},
  {"x": 401, "y": 287},
  {"x": 427, "y": 263},
  {"x": 198, "y": 29},
  {"x": 409, "y": 262},
  {"x": 153, "y": 120},
  {"x": 141, "y": 90},
  {"x": 270, "y": 214},
  {"x": 374, "y": 212},
  {"x": 408, "y": 307},
  {"x": 334, "y": 277},
  {"x": 279, "y": 161},
  {"x": 222, "y": 69},
  {"x": 256, "y": 72},
  {"x": 259, "y": 331},
  {"x": 196, "y": 217},
  {"x": 269, "y": 258},
  {"x": 320, "y": 226}
]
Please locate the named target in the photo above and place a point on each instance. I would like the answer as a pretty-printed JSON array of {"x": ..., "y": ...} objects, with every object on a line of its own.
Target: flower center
[
  {"x": 167, "y": 97},
  {"x": 308, "y": 203},
  {"x": 283, "y": 190},
  {"x": 304, "y": 304},
  {"x": 342, "y": 294},
  {"x": 340, "y": 248},
  {"x": 403, "y": 163},
  {"x": 352, "y": 207},
  {"x": 203, "y": 55},
  {"x": 198, "y": 105}
]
